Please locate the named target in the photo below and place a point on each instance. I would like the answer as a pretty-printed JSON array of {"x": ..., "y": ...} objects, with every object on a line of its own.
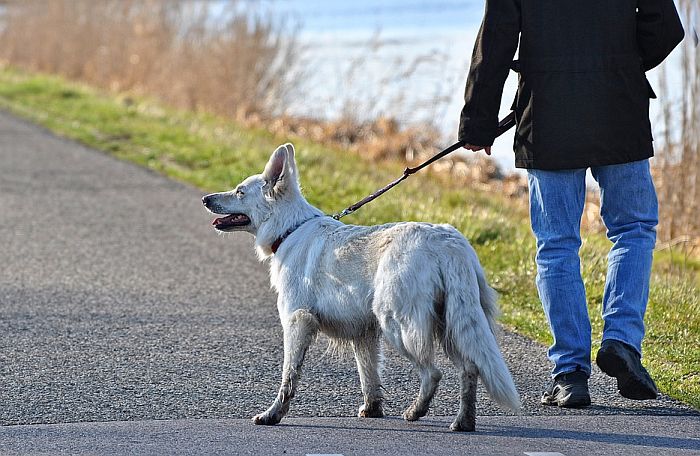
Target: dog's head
[{"x": 253, "y": 202}]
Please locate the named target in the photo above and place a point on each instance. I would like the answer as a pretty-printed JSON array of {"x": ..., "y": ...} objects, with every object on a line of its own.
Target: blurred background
[{"x": 382, "y": 78}]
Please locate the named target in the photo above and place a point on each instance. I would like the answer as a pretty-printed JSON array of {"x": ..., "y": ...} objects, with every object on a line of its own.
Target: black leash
[{"x": 503, "y": 126}]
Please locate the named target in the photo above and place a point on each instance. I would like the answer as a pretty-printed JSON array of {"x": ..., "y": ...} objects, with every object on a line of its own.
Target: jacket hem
[{"x": 524, "y": 163}]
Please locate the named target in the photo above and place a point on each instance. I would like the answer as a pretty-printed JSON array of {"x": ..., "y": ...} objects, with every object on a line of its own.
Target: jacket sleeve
[
  {"x": 659, "y": 30},
  {"x": 493, "y": 53}
]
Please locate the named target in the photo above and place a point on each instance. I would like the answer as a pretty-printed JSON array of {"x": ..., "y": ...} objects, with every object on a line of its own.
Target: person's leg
[
  {"x": 629, "y": 210},
  {"x": 556, "y": 206}
]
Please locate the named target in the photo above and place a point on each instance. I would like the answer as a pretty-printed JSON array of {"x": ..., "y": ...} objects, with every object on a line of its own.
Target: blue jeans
[{"x": 630, "y": 212}]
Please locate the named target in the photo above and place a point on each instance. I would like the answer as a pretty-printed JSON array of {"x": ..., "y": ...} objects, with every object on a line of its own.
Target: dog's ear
[
  {"x": 280, "y": 170},
  {"x": 291, "y": 161},
  {"x": 275, "y": 166}
]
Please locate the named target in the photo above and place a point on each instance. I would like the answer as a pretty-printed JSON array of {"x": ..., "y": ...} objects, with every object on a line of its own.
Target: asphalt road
[
  {"x": 118, "y": 302},
  {"x": 496, "y": 435}
]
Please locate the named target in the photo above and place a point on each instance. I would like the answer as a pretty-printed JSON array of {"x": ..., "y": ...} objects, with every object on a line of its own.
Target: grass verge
[{"x": 213, "y": 154}]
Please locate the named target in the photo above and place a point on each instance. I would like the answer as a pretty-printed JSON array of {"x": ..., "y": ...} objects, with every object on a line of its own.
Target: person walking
[{"x": 582, "y": 103}]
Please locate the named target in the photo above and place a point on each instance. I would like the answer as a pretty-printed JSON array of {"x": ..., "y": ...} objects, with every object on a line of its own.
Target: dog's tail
[{"x": 470, "y": 332}]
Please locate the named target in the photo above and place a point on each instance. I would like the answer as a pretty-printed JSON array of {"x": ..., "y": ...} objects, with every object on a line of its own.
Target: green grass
[{"x": 214, "y": 154}]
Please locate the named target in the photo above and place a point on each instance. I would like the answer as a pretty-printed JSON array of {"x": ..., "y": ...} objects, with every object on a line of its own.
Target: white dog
[{"x": 412, "y": 282}]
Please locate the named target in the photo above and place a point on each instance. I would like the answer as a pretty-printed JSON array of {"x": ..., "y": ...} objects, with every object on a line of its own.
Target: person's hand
[{"x": 474, "y": 148}]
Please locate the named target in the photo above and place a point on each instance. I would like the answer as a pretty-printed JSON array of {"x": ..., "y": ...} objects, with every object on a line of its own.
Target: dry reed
[
  {"x": 236, "y": 63},
  {"x": 677, "y": 165}
]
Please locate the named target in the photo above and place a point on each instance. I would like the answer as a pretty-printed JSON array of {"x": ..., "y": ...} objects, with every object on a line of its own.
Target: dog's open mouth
[{"x": 231, "y": 222}]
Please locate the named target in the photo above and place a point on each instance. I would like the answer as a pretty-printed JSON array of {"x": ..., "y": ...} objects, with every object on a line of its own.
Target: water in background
[{"x": 405, "y": 59}]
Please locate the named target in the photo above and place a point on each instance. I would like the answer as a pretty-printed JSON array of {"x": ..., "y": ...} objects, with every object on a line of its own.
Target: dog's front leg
[{"x": 299, "y": 331}]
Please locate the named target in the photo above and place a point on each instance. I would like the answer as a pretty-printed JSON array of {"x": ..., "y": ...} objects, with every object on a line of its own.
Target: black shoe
[
  {"x": 568, "y": 390},
  {"x": 623, "y": 362}
]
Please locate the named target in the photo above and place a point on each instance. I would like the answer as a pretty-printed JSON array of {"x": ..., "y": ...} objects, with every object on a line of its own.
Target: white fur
[{"x": 413, "y": 283}]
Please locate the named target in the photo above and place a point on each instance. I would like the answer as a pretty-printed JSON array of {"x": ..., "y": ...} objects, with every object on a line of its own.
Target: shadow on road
[
  {"x": 599, "y": 437},
  {"x": 536, "y": 431}
]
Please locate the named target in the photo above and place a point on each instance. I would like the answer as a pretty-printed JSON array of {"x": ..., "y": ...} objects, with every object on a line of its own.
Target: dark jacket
[{"x": 583, "y": 98}]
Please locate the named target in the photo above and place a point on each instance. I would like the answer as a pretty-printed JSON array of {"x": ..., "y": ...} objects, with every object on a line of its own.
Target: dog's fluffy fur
[{"x": 413, "y": 283}]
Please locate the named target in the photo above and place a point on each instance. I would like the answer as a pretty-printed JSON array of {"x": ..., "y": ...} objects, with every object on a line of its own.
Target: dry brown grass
[
  {"x": 174, "y": 50},
  {"x": 677, "y": 166},
  {"x": 381, "y": 138}
]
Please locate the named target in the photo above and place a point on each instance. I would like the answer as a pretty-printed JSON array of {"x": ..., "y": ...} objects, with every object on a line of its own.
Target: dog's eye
[{"x": 240, "y": 194}]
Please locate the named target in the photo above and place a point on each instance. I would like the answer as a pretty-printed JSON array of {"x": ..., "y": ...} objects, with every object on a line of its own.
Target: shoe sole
[
  {"x": 630, "y": 385},
  {"x": 569, "y": 401}
]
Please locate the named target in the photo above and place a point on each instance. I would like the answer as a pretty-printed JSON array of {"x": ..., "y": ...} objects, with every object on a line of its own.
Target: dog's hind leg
[
  {"x": 299, "y": 331},
  {"x": 418, "y": 348},
  {"x": 368, "y": 360},
  {"x": 466, "y": 418},
  {"x": 430, "y": 377},
  {"x": 414, "y": 341}
]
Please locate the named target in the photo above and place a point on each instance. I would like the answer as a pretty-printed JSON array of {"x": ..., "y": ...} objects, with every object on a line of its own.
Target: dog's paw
[
  {"x": 462, "y": 426},
  {"x": 412, "y": 413},
  {"x": 266, "y": 419},
  {"x": 373, "y": 411}
]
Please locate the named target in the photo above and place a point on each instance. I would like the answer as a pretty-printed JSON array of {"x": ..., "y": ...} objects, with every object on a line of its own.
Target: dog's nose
[{"x": 206, "y": 200}]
